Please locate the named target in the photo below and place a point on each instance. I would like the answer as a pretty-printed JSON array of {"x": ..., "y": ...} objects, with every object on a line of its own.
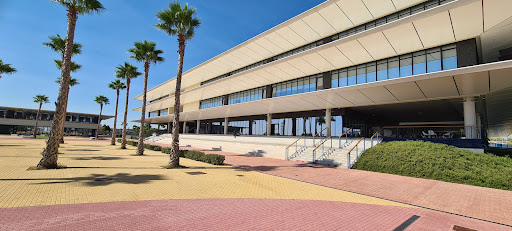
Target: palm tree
[
  {"x": 39, "y": 99},
  {"x": 127, "y": 72},
  {"x": 6, "y": 68},
  {"x": 118, "y": 86},
  {"x": 74, "y": 8},
  {"x": 145, "y": 52},
  {"x": 181, "y": 22},
  {"x": 101, "y": 100}
]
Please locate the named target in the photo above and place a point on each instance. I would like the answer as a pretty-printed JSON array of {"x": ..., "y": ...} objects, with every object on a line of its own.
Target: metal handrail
[
  {"x": 295, "y": 141},
  {"x": 319, "y": 132},
  {"x": 322, "y": 143},
  {"x": 355, "y": 145},
  {"x": 345, "y": 132},
  {"x": 374, "y": 134}
]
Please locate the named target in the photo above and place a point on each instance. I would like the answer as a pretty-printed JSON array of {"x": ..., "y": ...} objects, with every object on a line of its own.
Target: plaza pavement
[{"x": 105, "y": 188}]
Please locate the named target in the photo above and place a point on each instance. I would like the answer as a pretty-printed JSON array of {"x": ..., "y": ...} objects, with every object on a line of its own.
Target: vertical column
[
  {"x": 250, "y": 127},
  {"x": 328, "y": 121},
  {"x": 226, "y": 126},
  {"x": 269, "y": 124},
  {"x": 169, "y": 127},
  {"x": 470, "y": 118},
  {"x": 294, "y": 126},
  {"x": 184, "y": 127},
  {"x": 198, "y": 126}
]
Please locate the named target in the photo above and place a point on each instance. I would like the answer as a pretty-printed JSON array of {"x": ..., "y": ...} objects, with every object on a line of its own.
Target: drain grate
[{"x": 195, "y": 173}]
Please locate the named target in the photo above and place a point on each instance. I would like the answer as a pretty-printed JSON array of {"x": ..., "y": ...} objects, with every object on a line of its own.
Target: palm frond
[
  {"x": 41, "y": 99},
  {"x": 146, "y": 52},
  {"x": 102, "y": 100},
  {"x": 178, "y": 21},
  {"x": 82, "y": 6},
  {"x": 58, "y": 44},
  {"x": 117, "y": 85},
  {"x": 74, "y": 66},
  {"x": 6, "y": 68}
]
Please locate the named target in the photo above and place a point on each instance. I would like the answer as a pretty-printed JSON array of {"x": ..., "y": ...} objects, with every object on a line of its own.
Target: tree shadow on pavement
[
  {"x": 99, "y": 158},
  {"x": 99, "y": 179}
]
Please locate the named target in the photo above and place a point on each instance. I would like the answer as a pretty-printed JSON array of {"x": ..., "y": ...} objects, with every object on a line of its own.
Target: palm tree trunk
[
  {"x": 50, "y": 153},
  {"x": 113, "y": 141},
  {"x": 99, "y": 121},
  {"x": 123, "y": 142},
  {"x": 37, "y": 119},
  {"x": 140, "y": 145},
  {"x": 61, "y": 137},
  {"x": 174, "y": 160}
]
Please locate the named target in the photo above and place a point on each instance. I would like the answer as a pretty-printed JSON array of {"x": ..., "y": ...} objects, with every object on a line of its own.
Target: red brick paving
[
  {"x": 229, "y": 214},
  {"x": 483, "y": 203}
]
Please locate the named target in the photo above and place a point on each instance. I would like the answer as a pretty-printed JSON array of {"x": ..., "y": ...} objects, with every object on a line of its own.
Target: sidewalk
[{"x": 477, "y": 202}]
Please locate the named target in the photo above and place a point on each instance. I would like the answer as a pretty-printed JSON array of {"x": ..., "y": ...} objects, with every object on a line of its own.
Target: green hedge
[
  {"x": 157, "y": 148},
  {"x": 166, "y": 150},
  {"x": 119, "y": 140},
  {"x": 213, "y": 159},
  {"x": 438, "y": 162},
  {"x": 194, "y": 155},
  {"x": 500, "y": 152}
]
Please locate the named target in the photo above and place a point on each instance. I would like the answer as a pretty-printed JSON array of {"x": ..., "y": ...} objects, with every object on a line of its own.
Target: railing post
[
  {"x": 348, "y": 160},
  {"x": 304, "y": 141},
  {"x": 339, "y": 139},
  {"x": 346, "y": 137},
  {"x": 313, "y": 141},
  {"x": 286, "y": 154},
  {"x": 364, "y": 144},
  {"x": 296, "y": 146},
  {"x": 371, "y": 140},
  {"x": 314, "y": 156}
]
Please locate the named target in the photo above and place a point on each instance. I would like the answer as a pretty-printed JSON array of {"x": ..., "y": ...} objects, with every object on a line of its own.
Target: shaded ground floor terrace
[{"x": 446, "y": 119}]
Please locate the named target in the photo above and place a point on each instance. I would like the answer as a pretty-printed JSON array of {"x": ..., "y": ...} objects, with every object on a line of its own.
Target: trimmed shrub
[
  {"x": 148, "y": 146},
  {"x": 213, "y": 159},
  {"x": 157, "y": 148},
  {"x": 194, "y": 155},
  {"x": 119, "y": 140},
  {"x": 166, "y": 150},
  {"x": 438, "y": 162}
]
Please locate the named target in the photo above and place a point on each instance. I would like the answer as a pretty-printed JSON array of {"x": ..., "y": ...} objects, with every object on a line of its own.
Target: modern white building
[{"x": 412, "y": 69}]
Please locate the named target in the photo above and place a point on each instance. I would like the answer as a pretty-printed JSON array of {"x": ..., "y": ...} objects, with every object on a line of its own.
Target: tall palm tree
[
  {"x": 127, "y": 72},
  {"x": 101, "y": 100},
  {"x": 118, "y": 86},
  {"x": 74, "y": 8},
  {"x": 6, "y": 68},
  {"x": 147, "y": 53},
  {"x": 39, "y": 99},
  {"x": 72, "y": 81},
  {"x": 181, "y": 22}
]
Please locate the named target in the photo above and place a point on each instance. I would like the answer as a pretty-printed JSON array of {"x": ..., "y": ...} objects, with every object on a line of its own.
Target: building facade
[
  {"x": 22, "y": 121},
  {"x": 406, "y": 68}
]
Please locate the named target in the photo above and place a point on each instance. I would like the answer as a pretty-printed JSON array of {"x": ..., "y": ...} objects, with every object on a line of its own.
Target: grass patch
[
  {"x": 438, "y": 162},
  {"x": 41, "y": 137}
]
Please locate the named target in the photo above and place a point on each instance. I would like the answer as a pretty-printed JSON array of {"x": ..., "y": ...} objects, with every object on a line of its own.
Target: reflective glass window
[
  {"x": 371, "y": 72},
  {"x": 288, "y": 88},
  {"x": 312, "y": 83},
  {"x": 393, "y": 68},
  {"x": 361, "y": 74},
  {"x": 449, "y": 57},
  {"x": 343, "y": 81},
  {"x": 433, "y": 60},
  {"x": 382, "y": 70},
  {"x": 406, "y": 65},
  {"x": 334, "y": 79},
  {"x": 320, "y": 82},
  {"x": 300, "y": 87},
  {"x": 419, "y": 60},
  {"x": 294, "y": 87},
  {"x": 352, "y": 76}
]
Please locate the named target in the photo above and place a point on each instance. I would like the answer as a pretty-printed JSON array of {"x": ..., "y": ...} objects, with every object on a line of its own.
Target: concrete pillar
[
  {"x": 226, "y": 126},
  {"x": 198, "y": 126},
  {"x": 169, "y": 127},
  {"x": 250, "y": 127},
  {"x": 328, "y": 121},
  {"x": 294, "y": 126},
  {"x": 269, "y": 124},
  {"x": 470, "y": 118},
  {"x": 184, "y": 127}
]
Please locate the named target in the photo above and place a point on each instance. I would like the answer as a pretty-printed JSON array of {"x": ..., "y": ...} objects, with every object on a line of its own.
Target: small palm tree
[
  {"x": 181, "y": 22},
  {"x": 147, "y": 53},
  {"x": 127, "y": 72},
  {"x": 101, "y": 100},
  {"x": 74, "y": 8},
  {"x": 6, "y": 69},
  {"x": 118, "y": 86},
  {"x": 39, "y": 99}
]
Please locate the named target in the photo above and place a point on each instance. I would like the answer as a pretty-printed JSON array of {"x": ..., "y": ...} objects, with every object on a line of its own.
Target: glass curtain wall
[
  {"x": 210, "y": 103},
  {"x": 297, "y": 86},
  {"x": 247, "y": 96}
]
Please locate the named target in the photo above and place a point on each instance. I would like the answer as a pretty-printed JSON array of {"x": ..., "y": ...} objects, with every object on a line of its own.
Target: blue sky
[{"x": 26, "y": 24}]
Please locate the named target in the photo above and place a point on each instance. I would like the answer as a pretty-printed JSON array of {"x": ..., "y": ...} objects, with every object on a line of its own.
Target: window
[
  {"x": 334, "y": 79},
  {"x": 319, "y": 82},
  {"x": 449, "y": 57},
  {"x": 433, "y": 60},
  {"x": 371, "y": 72},
  {"x": 361, "y": 74},
  {"x": 343, "y": 77},
  {"x": 419, "y": 60},
  {"x": 406, "y": 65},
  {"x": 393, "y": 68},
  {"x": 382, "y": 70},
  {"x": 352, "y": 76}
]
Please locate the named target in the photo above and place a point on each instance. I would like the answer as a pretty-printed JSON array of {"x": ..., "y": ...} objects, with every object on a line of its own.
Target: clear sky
[{"x": 26, "y": 24}]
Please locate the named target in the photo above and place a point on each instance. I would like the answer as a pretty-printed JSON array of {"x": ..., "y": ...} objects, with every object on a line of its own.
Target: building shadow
[
  {"x": 83, "y": 150},
  {"x": 98, "y": 179}
]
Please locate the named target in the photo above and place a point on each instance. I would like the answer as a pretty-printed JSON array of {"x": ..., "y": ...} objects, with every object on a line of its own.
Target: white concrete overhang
[
  {"x": 326, "y": 19},
  {"x": 455, "y": 21},
  {"x": 457, "y": 83}
]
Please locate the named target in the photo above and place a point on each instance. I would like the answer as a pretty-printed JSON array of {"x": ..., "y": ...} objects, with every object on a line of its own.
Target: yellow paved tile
[{"x": 99, "y": 172}]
